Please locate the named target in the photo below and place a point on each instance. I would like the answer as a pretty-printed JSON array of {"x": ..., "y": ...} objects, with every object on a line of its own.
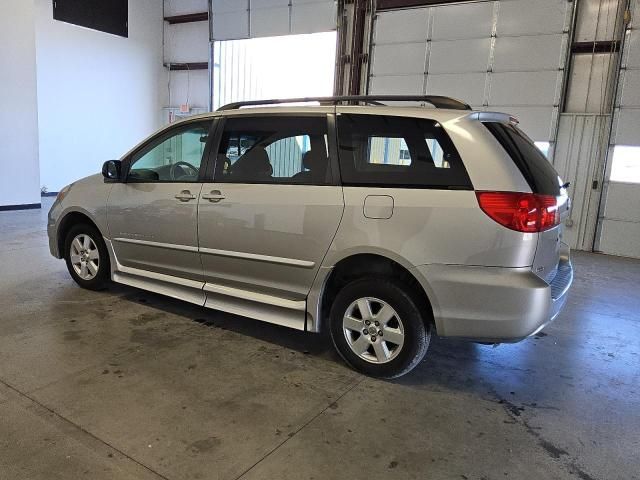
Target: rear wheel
[
  {"x": 377, "y": 327},
  {"x": 87, "y": 257}
]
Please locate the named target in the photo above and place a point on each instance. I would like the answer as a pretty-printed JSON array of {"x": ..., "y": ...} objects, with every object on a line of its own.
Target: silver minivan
[{"x": 383, "y": 224}]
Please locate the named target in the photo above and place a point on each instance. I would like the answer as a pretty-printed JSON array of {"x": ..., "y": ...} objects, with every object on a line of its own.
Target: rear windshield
[
  {"x": 535, "y": 167},
  {"x": 389, "y": 151}
]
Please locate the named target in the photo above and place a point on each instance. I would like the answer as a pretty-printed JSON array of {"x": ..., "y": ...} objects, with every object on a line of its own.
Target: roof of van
[
  {"x": 442, "y": 108},
  {"x": 439, "y": 114},
  {"x": 438, "y": 101}
]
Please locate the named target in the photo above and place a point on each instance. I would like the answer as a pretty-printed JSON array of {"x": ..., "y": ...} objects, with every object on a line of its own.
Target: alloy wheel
[
  {"x": 85, "y": 257},
  {"x": 373, "y": 330}
]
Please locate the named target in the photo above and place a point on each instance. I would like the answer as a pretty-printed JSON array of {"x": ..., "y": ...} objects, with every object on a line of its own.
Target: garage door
[
  {"x": 236, "y": 19},
  {"x": 506, "y": 55},
  {"x": 620, "y": 217}
]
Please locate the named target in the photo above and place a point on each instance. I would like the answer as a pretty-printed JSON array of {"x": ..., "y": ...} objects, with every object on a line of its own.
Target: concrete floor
[{"x": 125, "y": 384}]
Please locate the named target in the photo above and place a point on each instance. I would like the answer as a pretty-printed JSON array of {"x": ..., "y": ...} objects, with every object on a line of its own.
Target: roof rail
[{"x": 436, "y": 100}]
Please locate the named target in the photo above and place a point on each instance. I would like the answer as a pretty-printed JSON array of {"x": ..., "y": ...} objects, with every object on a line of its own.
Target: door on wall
[
  {"x": 619, "y": 221},
  {"x": 272, "y": 49},
  {"x": 486, "y": 53}
]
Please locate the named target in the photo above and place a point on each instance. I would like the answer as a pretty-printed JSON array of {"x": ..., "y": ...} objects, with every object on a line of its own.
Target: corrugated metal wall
[
  {"x": 286, "y": 155},
  {"x": 583, "y": 134},
  {"x": 581, "y": 148},
  {"x": 389, "y": 151},
  {"x": 234, "y": 76}
]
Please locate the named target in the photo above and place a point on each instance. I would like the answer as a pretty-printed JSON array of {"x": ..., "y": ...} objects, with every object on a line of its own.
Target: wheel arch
[
  {"x": 68, "y": 220},
  {"x": 358, "y": 265}
]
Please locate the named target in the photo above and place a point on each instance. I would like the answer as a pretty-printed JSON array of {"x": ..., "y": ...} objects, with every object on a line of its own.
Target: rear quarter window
[
  {"x": 389, "y": 151},
  {"x": 534, "y": 166}
]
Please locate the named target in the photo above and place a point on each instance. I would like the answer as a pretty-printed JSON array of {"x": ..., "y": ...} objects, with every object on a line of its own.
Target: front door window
[{"x": 173, "y": 158}]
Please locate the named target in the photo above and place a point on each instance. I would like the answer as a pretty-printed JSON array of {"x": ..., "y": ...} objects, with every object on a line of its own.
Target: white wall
[
  {"x": 98, "y": 94},
  {"x": 19, "y": 180},
  {"x": 232, "y": 20}
]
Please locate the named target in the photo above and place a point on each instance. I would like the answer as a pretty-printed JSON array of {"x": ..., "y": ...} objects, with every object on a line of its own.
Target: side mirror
[{"x": 112, "y": 170}]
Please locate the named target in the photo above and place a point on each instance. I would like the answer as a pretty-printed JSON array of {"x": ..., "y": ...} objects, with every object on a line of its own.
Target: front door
[
  {"x": 152, "y": 216},
  {"x": 267, "y": 221}
]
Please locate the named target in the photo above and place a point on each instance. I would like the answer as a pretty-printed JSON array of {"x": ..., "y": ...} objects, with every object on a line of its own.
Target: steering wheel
[{"x": 185, "y": 167}]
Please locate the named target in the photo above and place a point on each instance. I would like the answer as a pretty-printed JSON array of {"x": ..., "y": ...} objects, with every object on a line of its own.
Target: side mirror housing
[{"x": 112, "y": 171}]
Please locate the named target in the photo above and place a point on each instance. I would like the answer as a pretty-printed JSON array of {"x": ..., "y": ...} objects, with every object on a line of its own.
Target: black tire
[
  {"x": 417, "y": 331},
  {"x": 103, "y": 275}
]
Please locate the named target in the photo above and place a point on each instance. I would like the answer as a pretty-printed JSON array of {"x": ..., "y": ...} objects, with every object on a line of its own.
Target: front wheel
[
  {"x": 87, "y": 257},
  {"x": 377, "y": 327}
]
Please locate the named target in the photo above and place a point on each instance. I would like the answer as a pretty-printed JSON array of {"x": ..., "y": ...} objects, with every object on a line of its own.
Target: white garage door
[
  {"x": 236, "y": 19},
  {"x": 620, "y": 222},
  {"x": 505, "y": 55}
]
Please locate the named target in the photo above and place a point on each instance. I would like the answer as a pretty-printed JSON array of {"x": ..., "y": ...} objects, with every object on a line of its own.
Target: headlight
[{"x": 63, "y": 193}]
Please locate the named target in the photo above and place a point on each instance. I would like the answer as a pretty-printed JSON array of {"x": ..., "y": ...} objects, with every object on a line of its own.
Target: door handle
[
  {"x": 215, "y": 196},
  {"x": 185, "y": 196}
]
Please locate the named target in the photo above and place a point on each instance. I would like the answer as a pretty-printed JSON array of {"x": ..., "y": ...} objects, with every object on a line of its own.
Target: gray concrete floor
[{"x": 125, "y": 384}]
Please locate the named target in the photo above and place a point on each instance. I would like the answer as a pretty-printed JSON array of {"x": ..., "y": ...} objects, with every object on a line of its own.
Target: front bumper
[
  {"x": 492, "y": 304},
  {"x": 53, "y": 242},
  {"x": 52, "y": 228}
]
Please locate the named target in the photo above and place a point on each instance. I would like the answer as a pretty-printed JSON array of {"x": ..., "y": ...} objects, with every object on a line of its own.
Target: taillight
[{"x": 522, "y": 212}]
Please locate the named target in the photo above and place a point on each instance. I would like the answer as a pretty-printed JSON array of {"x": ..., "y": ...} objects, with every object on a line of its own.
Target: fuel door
[{"x": 378, "y": 207}]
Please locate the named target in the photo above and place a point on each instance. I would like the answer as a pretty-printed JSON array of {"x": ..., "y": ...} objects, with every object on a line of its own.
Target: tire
[
  {"x": 379, "y": 293},
  {"x": 94, "y": 272}
]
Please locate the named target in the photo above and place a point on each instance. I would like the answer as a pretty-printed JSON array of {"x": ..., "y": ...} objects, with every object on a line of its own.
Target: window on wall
[
  {"x": 283, "y": 149},
  {"x": 287, "y": 66},
  {"x": 544, "y": 148},
  {"x": 388, "y": 150},
  {"x": 110, "y": 16},
  {"x": 398, "y": 151},
  {"x": 625, "y": 164}
]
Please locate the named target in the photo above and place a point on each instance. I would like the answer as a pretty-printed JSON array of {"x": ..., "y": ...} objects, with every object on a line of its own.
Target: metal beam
[
  {"x": 358, "y": 55},
  {"x": 395, "y": 4},
  {"x": 187, "y": 66},
  {"x": 601, "y": 46},
  {"x": 188, "y": 18}
]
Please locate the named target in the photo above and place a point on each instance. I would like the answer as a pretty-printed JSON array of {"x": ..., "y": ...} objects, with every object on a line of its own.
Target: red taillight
[{"x": 522, "y": 212}]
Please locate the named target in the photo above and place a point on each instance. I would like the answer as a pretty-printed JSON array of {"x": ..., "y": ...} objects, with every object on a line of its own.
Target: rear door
[
  {"x": 268, "y": 218},
  {"x": 407, "y": 192},
  {"x": 543, "y": 180}
]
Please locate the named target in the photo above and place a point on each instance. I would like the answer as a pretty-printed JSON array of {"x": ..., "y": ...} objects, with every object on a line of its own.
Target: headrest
[
  {"x": 314, "y": 160},
  {"x": 254, "y": 163}
]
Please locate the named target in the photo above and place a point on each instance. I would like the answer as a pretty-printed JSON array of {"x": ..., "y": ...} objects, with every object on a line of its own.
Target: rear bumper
[
  {"x": 560, "y": 286},
  {"x": 494, "y": 305}
]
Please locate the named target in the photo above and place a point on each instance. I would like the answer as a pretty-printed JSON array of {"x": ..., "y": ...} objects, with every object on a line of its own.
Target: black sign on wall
[{"x": 110, "y": 16}]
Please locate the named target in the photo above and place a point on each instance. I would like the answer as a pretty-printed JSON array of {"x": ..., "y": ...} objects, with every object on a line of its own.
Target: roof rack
[{"x": 436, "y": 100}]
